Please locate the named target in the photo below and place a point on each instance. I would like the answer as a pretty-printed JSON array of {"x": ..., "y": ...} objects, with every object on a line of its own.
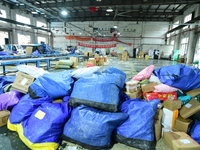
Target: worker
[{"x": 113, "y": 53}]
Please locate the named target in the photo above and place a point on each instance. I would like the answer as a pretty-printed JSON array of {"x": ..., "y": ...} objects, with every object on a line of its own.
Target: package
[
  {"x": 190, "y": 108},
  {"x": 158, "y": 115},
  {"x": 4, "y": 117},
  {"x": 182, "y": 125},
  {"x": 96, "y": 55},
  {"x": 29, "y": 50},
  {"x": 172, "y": 104},
  {"x": 75, "y": 60},
  {"x": 86, "y": 53},
  {"x": 132, "y": 86},
  {"x": 100, "y": 62},
  {"x": 22, "y": 82},
  {"x": 168, "y": 118},
  {"x": 194, "y": 92},
  {"x": 157, "y": 129},
  {"x": 137, "y": 94},
  {"x": 105, "y": 58},
  {"x": 124, "y": 58},
  {"x": 160, "y": 96},
  {"x": 180, "y": 141},
  {"x": 58, "y": 101},
  {"x": 148, "y": 87},
  {"x": 92, "y": 61},
  {"x": 90, "y": 53}
]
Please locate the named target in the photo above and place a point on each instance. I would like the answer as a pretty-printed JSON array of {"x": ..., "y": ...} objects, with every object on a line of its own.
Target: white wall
[
  {"x": 14, "y": 29},
  {"x": 143, "y": 35}
]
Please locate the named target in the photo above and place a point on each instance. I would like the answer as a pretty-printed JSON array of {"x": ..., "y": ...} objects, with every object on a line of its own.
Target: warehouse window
[
  {"x": 184, "y": 45},
  {"x": 23, "y": 19},
  {"x": 186, "y": 19},
  {"x": 42, "y": 39},
  {"x": 3, "y": 15},
  {"x": 176, "y": 24},
  {"x": 23, "y": 39},
  {"x": 41, "y": 24},
  {"x": 172, "y": 42}
]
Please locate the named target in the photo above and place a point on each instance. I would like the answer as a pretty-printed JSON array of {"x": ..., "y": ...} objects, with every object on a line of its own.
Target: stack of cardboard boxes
[
  {"x": 124, "y": 56},
  {"x": 97, "y": 60},
  {"x": 171, "y": 119}
]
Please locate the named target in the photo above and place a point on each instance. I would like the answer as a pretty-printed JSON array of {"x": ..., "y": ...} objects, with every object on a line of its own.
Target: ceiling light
[
  {"x": 118, "y": 33},
  {"x": 114, "y": 26},
  {"x": 80, "y": 33},
  {"x": 107, "y": 14},
  {"x": 64, "y": 12},
  {"x": 109, "y": 10},
  {"x": 98, "y": 0}
]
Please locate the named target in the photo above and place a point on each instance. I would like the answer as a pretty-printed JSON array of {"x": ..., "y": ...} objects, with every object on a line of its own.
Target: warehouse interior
[{"x": 135, "y": 45}]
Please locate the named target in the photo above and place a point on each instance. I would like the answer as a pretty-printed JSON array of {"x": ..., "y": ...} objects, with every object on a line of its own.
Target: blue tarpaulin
[
  {"x": 138, "y": 130},
  {"x": 179, "y": 76},
  {"x": 25, "y": 108},
  {"x": 4, "y": 81},
  {"x": 92, "y": 128},
  {"x": 195, "y": 132},
  {"x": 100, "y": 90},
  {"x": 54, "y": 85}
]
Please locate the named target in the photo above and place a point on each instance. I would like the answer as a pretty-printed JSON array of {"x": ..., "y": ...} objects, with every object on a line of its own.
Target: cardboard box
[
  {"x": 75, "y": 60},
  {"x": 90, "y": 53},
  {"x": 58, "y": 101},
  {"x": 133, "y": 95},
  {"x": 192, "y": 107},
  {"x": 168, "y": 118},
  {"x": 157, "y": 130},
  {"x": 194, "y": 92},
  {"x": 180, "y": 141},
  {"x": 4, "y": 117},
  {"x": 29, "y": 50},
  {"x": 172, "y": 104},
  {"x": 22, "y": 82},
  {"x": 182, "y": 124},
  {"x": 158, "y": 115},
  {"x": 160, "y": 96},
  {"x": 132, "y": 86},
  {"x": 148, "y": 87},
  {"x": 86, "y": 54},
  {"x": 124, "y": 58},
  {"x": 92, "y": 61},
  {"x": 96, "y": 55},
  {"x": 100, "y": 62}
]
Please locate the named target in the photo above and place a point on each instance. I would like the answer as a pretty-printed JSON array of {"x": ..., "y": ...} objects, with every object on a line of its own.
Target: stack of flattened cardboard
[{"x": 157, "y": 124}]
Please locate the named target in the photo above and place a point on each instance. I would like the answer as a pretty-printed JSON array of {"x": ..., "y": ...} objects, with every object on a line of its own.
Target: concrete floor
[{"x": 10, "y": 141}]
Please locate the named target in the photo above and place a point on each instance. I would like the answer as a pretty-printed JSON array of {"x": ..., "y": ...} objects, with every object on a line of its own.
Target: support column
[
  {"x": 191, "y": 47},
  {"x": 177, "y": 42}
]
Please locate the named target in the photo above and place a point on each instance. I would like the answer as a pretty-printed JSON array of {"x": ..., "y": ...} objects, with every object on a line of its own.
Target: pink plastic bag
[
  {"x": 163, "y": 88},
  {"x": 144, "y": 74}
]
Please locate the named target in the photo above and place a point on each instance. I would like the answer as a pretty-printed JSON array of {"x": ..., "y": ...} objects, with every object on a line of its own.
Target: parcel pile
[{"x": 97, "y": 109}]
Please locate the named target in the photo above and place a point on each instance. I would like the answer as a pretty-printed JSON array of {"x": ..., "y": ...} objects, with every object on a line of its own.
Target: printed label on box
[
  {"x": 40, "y": 115},
  {"x": 23, "y": 82},
  {"x": 185, "y": 141},
  {"x": 188, "y": 105}
]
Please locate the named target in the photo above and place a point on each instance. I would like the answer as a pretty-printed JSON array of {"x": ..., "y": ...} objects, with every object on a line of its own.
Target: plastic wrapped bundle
[
  {"x": 61, "y": 66},
  {"x": 138, "y": 130},
  {"x": 180, "y": 76},
  {"x": 32, "y": 71},
  {"x": 65, "y": 62},
  {"x": 54, "y": 85},
  {"x": 84, "y": 72},
  {"x": 9, "y": 99},
  {"x": 42, "y": 130},
  {"x": 100, "y": 91},
  {"x": 92, "y": 128},
  {"x": 24, "y": 109}
]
